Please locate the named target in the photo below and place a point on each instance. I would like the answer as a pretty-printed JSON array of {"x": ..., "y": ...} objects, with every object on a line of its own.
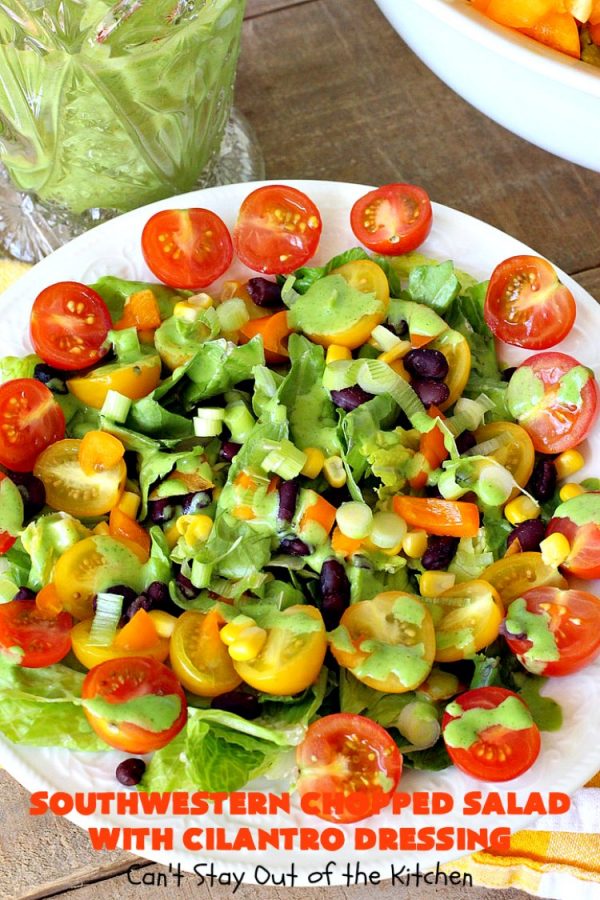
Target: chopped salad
[{"x": 303, "y": 525}]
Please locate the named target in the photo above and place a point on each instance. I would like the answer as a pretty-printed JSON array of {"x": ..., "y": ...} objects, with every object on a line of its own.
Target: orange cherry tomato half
[
  {"x": 454, "y": 518},
  {"x": 30, "y": 420},
  {"x": 392, "y": 219},
  {"x": 187, "y": 248},
  {"x": 499, "y": 751},
  {"x": 274, "y": 330},
  {"x": 569, "y": 620},
  {"x": 69, "y": 324},
  {"x": 125, "y": 679},
  {"x": 583, "y": 536},
  {"x": 350, "y": 760},
  {"x": 44, "y": 640},
  {"x": 526, "y": 305},
  {"x": 277, "y": 230},
  {"x": 549, "y": 400}
]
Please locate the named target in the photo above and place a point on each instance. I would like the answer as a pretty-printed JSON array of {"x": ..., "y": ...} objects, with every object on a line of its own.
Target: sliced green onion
[
  {"x": 109, "y": 608},
  {"x": 495, "y": 484},
  {"x": 354, "y": 519},
  {"x": 288, "y": 294},
  {"x": 207, "y": 427},
  {"x": 471, "y": 411},
  {"x": 232, "y": 314},
  {"x": 8, "y": 589},
  {"x": 211, "y": 413},
  {"x": 384, "y": 338},
  {"x": 376, "y": 377},
  {"x": 116, "y": 407},
  {"x": 239, "y": 420},
  {"x": 486, "y": 448},
  {"x": 341, "y": 374},
  {"x": 284, "y": 459},
  {"x": 126, "y": 344},
  {"x": 387, "y": 530},
  {"x": 419, "y": 724},
  {"x": 201, "y": 574}
]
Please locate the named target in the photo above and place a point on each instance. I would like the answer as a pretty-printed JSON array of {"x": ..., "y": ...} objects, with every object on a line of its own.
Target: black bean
[
  {"x": 294, "y": 547},
  {"x": 239, "y": 703},
  {"x": 160, "y": 511},
  {"x": 191, "y": 503},
  {"x": 54, "y": 379},
  {"x": 507, "y": 374},
  {"x": 349, "y": 398},
  {"x": 31, "y": 490},
  {"x": 334, "y": 589},
  {"x": 288, "y": 496},
  {"x": 424, "y": 363},
  {"x": 530, "y": 534},
  {"x": 430, "y": 393},
  {"x": 440, "y": 552},
  {"x": 542, "y": 483},
  {"x": 399, "y": 329},
  {"x": 24, "y": 594},
  {"x": 264, "y": 292},
  {"x": 131, "y": 771},
  {"x": 186, "y": 588},
  {"x": 229, "y": 449},
  {"x": 158, "y": 593},
  {"x": 141, "y": 602},
  {"x": 465, "y": 441},
  {"x": 127, "y": 593}
]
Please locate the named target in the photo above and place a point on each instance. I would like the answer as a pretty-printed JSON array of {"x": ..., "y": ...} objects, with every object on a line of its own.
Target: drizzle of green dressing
[
  {"x": 406, "y": 663},
  {"x": 581, "y": 510},
  {"x": 151, "y": 712},
  {"x": 465, "y": 730},
  {"x": 536, "y": 627},
  {"x": 409, "y": 609},
  {"x": 331, "y": 305},
  {"x": 341, "y": 640},
  {"x": 525, "y": 392},
  {"x": 571, "y": 385}
]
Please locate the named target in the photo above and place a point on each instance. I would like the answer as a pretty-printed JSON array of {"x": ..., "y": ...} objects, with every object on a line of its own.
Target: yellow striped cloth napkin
[{"x": 546, "y": 864}]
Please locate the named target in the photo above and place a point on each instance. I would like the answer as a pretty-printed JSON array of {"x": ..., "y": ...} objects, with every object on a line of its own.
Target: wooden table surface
[{"x": 333, "y": 93}]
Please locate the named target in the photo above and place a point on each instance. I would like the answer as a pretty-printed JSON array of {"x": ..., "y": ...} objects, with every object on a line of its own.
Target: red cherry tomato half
[
  {"x": 277, "y": 230},
  {"x": 6, "y": 539},
  {"x": 392, "y": 219},
  {"x": 69, "y": 324},
  {"x": 351, "y": 765},
  {"x": 187, "y": 248},
  {"x": 571, "y": 618},
  {"x": 121, "y": 680},
  {"x": 499, "y": 750},
  {"x": 562, "y": 416},
  {"x": 584, "y": 538},
  {"x": 30, "y": 420},
  {"x": 526, "y": 305},
  {"x": 42, "y": 639}
]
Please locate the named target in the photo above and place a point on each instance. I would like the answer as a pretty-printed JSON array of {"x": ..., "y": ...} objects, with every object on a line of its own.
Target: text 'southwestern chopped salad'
[{"x": 306, "y": 526}]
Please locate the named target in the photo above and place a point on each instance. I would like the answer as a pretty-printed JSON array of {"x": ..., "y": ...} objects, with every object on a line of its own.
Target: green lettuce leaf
[
  {"x": 367, "y": 583},
  {"x": 18, "y": 367},
  {"x": 506, "y": 671},
  {"x": 286, "y": 712},
  {"x": 434, "y": 285},
  {"x": 148, "y": 416},
  {"x": 219, "y": 366},
  {"x": 47, "y": 538}
]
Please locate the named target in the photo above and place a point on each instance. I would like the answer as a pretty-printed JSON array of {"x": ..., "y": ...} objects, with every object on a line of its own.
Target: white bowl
[{"x": 542, "y": 95}]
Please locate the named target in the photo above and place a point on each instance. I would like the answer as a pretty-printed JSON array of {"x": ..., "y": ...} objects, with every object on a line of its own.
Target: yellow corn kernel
[
  {"x": 521, "y": 509},
  {"x": 315, "y": 459},
  {"x": 232, "y": 631},
  {"x": 101, "y": 528},
  {"x": 415, "y": 544},
  {"x": 334, "y": 471},
  {"x": 183, "y": 523},
  {"x": 396, "y": 353},
  {"x": 568, "y": 463},
  {"x": 249, "y": 644},
  {"x": 432, "y": 584},
  {"x": 129, "y": 504},
  {"x": 163, "y": 621},
  {"x": 555, "y": 549},
  {"x": 172, "y": 535},
  {"x": 570, "y": 490},
  {"x": 185, "y": 310},
  {"x": 198, "y": 530},
  {"x": 200, "y": 301},
  {"x": 335, "y": 353},
  {"x": 230, "y": 290},
  {"x": 245, "y": 513}
]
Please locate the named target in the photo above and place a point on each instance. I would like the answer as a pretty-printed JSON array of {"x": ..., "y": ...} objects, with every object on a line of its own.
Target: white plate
[
  {"x": 542, "y": 95},
  {"x": 568, "y": 758}
]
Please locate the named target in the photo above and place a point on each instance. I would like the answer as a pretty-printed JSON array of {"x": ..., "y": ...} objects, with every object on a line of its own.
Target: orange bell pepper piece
[
  {"x": 245, "y": 481},
  {"x": 139, "y": 634},
  {"x": 432, "y": 448},
  {"x": 518, "y": 13},
  {"x": 274, "y": 330},
  {"x": 48, "y": 602},
  {"x": 558, "y": 30},
  {"x": 99, "y": 451},
  {"x": 322, "y": 512},
  {"x": 122, "y": 527},
  {"x": 453, "y": 518},
  {"x": 274, "y": 484},
  {"x": 340, "y": 543},
  {"x": 141, "y": 311}
]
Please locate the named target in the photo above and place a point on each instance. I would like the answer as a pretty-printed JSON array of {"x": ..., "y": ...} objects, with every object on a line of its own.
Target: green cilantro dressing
[
  {"x": 536, "y": 627},
  {"x": 331, "y": 306},
  {"x": 462, "y": 639},
  {"x": 151, "y": 712},
  {"x": 581, "y": 510},
  {"x": 409, "y": 609},
  {"x": 421, "y": 319},
  {"x": 406, "y": 663},
  {"x": 465, "y": 730},
  {"x": 525, "y": 392},
  {"x": 11, "y": 508},
  {"x": 571, "y": 385},
  {"x": 341, "y": 640}
]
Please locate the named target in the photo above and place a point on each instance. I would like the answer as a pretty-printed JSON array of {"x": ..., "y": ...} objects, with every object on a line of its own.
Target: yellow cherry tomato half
[
  {"x": 91, "y": 655},
  {"x": 516, "y": 452},
  {"x": 292, "y": 656},
  {"x": 368, "y": 277},
  {"x": 467, "y": 618},
  {"x": 387, "y": 643},
  {"x": 199, "y": 658},
  {"x": 135, "y": 380},
  {"x": 456, "y": 349},
  {"x": 515, "y": 574},
  {"x": 70, "y": 490}
]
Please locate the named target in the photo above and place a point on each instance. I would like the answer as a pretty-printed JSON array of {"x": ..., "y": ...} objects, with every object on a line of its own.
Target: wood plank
[
  {"x": 334, "y": 93},
  {"x": 590, "y": 280},
  {"x": 262, "y": 7}
]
